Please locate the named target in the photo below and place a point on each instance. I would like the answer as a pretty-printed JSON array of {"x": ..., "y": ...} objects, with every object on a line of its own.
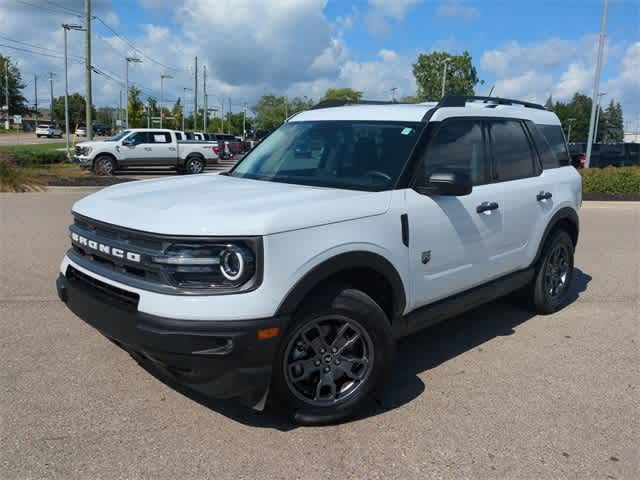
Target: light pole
[
  {"x": 126, "y": 80},
  {"x": 67, "y": 27},
  {"x": 570, "y": 120},
  {"x": 162, "y": 77},
  {"x": 595, "y": 130},
  {"x": 596, "y": 82},
  {"x": 244, "y": 121},
  {"x": 444, "y": 75},
  {"x": 184, "y": 108}
]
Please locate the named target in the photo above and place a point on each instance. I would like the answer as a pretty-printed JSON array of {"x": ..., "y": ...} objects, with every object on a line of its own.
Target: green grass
[
  {"x": 611, "y": 180},
  {"x": 17, "y": 179}
]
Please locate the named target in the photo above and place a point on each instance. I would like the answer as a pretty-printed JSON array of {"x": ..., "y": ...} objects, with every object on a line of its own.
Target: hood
[
  {"x": 218, "y": 205},
  {"x": 94, "y": 144}
]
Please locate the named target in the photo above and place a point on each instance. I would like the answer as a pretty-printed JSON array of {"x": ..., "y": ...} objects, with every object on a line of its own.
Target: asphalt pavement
[{"x": 495, "y": 393}]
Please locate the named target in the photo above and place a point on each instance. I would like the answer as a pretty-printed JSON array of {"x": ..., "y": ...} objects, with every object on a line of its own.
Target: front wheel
[
  {"x": 335, "y": 356},
  {"x": 194, "y": 165},
  {"x": 104, "y": 165},
  {"x": 554, "y": 272}
]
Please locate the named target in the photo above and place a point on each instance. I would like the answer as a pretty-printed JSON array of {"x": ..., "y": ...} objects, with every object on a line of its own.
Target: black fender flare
[
  {"x": 340, "y": 263},
  {"x": 565, "y": 213}
]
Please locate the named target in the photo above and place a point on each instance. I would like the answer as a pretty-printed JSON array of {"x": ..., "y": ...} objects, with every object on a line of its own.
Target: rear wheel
[
  {"x": 104, "y": 165},
  {"x": 554, "y": 272},
  {"x": 194, "y": 165},
  {"x": 337, "y": 353}
]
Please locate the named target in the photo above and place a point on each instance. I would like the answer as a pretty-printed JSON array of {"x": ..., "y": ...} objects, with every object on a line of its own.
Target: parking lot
[{"x": 495, "y": 393}]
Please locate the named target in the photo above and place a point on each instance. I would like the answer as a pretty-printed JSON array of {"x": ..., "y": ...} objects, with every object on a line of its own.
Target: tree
[
  {"x": 17, "y": 101},
  {"x": 136, "y": 107},
  {"x": 271, "y": 110},
  {"x": 177, "y": 113},
  {"x": 347, "y": 94},
  {"x": 613, "y": 130},
  {"x": 549, "y": 103},
  {"x": 461, "y": 76},
  {"x": 77, "y": 110}
]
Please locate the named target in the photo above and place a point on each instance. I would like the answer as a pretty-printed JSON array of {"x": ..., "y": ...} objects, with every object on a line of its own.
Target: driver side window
[
  {"x": 458, "y": 147},
  {"x": 137, "y": 138}
]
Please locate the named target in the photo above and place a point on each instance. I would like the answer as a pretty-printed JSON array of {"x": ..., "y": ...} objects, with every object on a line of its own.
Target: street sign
[
  {"x": 118, "y": 123},
  {"x": 17, "y": 119}
]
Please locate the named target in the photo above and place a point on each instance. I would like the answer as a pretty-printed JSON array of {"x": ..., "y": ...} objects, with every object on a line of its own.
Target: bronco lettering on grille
[{"x": 106, "y": 249}]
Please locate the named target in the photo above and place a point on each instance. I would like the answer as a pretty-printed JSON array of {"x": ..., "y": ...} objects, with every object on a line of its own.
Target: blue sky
[{"x": 527, "y": 48}]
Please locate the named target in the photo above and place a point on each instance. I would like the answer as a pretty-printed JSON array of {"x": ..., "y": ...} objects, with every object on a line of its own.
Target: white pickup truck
[{"x": 146, "y": 147}]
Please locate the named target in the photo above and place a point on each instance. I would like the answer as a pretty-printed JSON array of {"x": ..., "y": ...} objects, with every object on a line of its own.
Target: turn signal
[{"x": 267, "y": 333}]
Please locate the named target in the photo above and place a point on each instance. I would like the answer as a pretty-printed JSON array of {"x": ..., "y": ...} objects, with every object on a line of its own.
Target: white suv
[
  {"x": 346, "y": 228},
  {"x": 47, "y": 130}
]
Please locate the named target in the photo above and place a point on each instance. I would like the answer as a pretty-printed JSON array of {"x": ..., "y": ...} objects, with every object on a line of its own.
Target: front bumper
[
  {"x": 223, "y": 359},
  {"x": 81, "y": 159}
]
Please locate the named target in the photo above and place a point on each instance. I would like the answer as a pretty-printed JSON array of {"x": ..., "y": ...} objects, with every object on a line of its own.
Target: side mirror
[
  {"x": 128, "y": 142},
  {"x": 452, "y": 184}
]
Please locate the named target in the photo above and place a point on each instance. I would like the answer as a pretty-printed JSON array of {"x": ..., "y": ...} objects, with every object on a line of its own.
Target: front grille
[
  {"x": 144, "y": 245},
  {"x": 78, "y": 150},
  {"x": 109, "y": 293}
]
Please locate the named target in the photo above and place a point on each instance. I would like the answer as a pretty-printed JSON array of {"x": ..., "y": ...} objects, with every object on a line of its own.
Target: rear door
[
  {"x": 161, "y": 149},
  {"x": 454, "y": 239},
  {"x": 518, "y": 178}
]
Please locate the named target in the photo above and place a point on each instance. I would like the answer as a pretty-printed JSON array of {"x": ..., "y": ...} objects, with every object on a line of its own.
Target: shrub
[
  {"x": 16, "y": 179},
  {"x": 33, "y": 158},
  {"x": 611, "y": 180}
]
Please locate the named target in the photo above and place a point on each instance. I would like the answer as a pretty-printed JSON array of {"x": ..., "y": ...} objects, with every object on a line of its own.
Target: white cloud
[
  {"x": 530, "y": 86},
  {"x": 626, "y": 87},
  {"x": 387, "y": 55},
  {"x": 577, "y": 78},
  {"x": 456, "y": 9},
  {"x": 381, "y": 11}
]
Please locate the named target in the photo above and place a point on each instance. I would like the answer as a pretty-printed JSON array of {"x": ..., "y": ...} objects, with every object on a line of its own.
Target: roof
[{"x": 451, "y": 106}]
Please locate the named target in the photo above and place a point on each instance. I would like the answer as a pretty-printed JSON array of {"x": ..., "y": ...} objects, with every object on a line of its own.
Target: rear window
[
  {"x": 43, "y": 126},
  {"x": 555, "y": 137}
]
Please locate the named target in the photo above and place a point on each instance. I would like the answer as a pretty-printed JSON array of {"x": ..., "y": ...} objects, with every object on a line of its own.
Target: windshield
[
  {"x": 340, "y": 154},
  {"x": 120, "y": 136}
]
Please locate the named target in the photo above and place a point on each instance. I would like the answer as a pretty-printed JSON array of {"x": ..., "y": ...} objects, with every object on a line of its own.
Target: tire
[
  {"x": 194, "y": 165},
  {"x": 336, "y": 354},
  {"x": 104, "y": 165},
  {"x": 552, "y": 281}
]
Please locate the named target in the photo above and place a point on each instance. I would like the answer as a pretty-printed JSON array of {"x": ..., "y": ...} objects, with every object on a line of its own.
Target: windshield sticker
[
  {"x": 407, "y": 131},
  {"x": 159, "y": 139}
]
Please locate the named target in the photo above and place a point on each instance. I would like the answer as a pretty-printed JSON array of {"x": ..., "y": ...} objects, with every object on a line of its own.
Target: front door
[{"x": 454, "y": 240}]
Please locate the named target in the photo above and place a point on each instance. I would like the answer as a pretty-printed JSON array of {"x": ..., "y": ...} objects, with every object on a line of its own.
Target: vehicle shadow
[{"x": 415, "y": 354}]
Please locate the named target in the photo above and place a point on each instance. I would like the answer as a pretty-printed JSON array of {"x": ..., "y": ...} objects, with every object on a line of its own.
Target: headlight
[
  {"x": 215, "y": 266},
  {"x": 87, "y": 150}
]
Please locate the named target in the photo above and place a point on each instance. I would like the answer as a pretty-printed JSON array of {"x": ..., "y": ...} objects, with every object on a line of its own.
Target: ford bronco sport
[{"x": 291, "y": 276}]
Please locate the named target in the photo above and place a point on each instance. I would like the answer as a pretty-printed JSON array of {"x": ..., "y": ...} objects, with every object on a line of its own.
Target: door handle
[
  {"x": 542, "y": 195},
  {"x": 148, "y": 149},
  {"x": 486, "y": 206}
]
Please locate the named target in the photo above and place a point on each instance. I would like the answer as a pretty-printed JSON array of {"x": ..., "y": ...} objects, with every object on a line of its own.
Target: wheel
[
  {"x": 194, "y": 165},
  {"x": 336, "y": 354},
  {"x": 552, "y": 281},
  {"x": 104, "y": 165}
]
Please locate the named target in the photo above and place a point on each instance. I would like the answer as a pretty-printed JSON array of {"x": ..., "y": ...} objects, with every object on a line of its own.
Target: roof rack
[
  {"x": 461, "y": 101},
  {"x": 341, "y": 103}
]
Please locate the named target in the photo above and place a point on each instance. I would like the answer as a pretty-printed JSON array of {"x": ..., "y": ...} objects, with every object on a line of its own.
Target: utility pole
[
  {"x": 87, "y": 68},
  {"x": 393, "y": 94},
  {"x": 35, "y": 88},
  {"x": 570, "y": 120},
  {"x": 126, "y": 80},
  {"x": 229, "y": 122},
  {"x": 184, "y": 107},
  {"x": 6, "y": 90},
  {"x": 120, "y": 109},
  {"x": 596, "y": 82},
  {"x": 444, "y": 76},
  {"x": 595, "y": 133},
  {"x": 162, "y": 77},
  {"x": 195, "y": 95},
  {"x": 51, "y": 96},
  {"x": 222, "y": 114},
  {"x": 204, "y": 94},
  {"x": 67, "y": 27},
  {"x": 244, "y": 120}
]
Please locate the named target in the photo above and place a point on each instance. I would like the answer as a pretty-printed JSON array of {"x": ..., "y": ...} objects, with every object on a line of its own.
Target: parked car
[
  {"x": 48, "y": 130},
  {"x": 293, "y": 275},
  {"x": 81, "y": 131},
  {"x": 101, "y": 130},
  {"x": 145, "y": 147},
  {"x": 235, "y": 145},
  {"x": 605, "y": 154}
]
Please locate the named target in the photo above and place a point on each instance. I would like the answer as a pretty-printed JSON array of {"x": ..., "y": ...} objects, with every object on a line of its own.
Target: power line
[
  {"x": 36, "y": 46},
  {"x": 37, "y": 53},
  {"x": 124, "y": 39},
  {"x": 43, "y": 7},
  {"x": 74, "y": 12}
]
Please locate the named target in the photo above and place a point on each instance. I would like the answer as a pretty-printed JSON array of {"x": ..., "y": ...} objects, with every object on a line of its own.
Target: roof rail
[
  {"x": 461, "y": 101},
  {"x": 329, "y": 103}
]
